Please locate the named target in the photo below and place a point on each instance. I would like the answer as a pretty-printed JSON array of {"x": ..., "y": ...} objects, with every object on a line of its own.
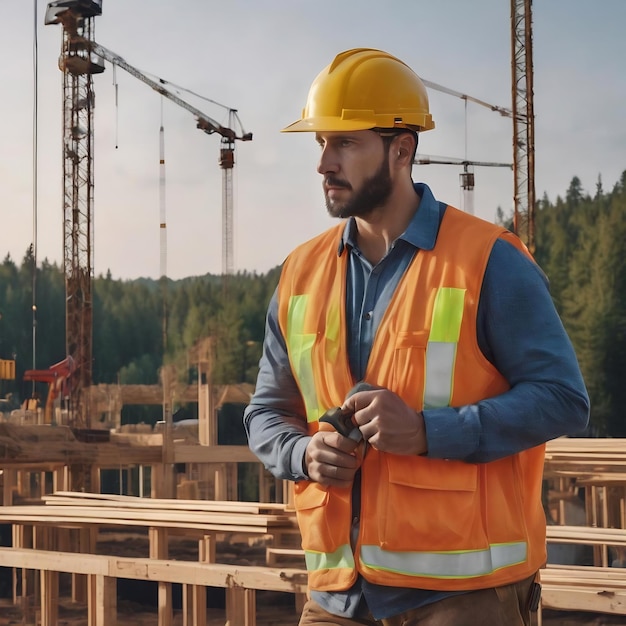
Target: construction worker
[{"x": 417, "y": 491}]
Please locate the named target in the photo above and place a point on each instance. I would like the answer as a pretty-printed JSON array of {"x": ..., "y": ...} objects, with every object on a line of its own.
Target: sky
[{"x": 260, "y": 57}]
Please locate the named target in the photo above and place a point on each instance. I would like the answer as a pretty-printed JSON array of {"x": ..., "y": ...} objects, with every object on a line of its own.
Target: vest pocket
[
  {"x": 429, "y": 505},
  {"x": 323, "y": 516},
  {"x": 408, "y": 367}
]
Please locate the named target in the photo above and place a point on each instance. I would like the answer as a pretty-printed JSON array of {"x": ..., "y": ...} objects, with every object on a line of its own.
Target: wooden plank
[
  {"x": 189, "y": 453},
  {"x": 185, "y": 572},
  {"x": 587, "y": 535},
  {"x": 584, "y": 588},
  {"x": 49, "y": 594},
  {"x": 586, "y": 574},
  {"x": 159, "y": 550},
  {"x": 44, "y": 560},
  {"x": 65, "y": 497},
  {"x": 562, "y": 597},
  {"x": 272, "y": 555},
  {"x": 147, "y": 508},
  {"x": 240, "y": 606},
  {"x": 109, "y": 515},
  {"x": 102, "y": 601},
  {"x": 71, "y": 521}
]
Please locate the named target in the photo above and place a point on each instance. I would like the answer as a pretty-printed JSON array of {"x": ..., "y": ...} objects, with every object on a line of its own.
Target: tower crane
[
  {"x": 209, "y": 126},
  {"x": 523, "y": 116},
  {"x": 467, "y": 176},
  {"x": 81, "y": 58}
]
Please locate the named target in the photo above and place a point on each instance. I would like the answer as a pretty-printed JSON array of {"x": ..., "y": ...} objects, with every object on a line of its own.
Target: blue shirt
[{"x": 518, "y": 330}]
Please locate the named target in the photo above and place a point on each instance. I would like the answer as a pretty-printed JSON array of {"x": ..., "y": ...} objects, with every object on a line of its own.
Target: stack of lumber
[
  {"x": 594, "y": 589},
  {"x": 585, "y": 457},
  {"x": 66, "y": 508},
  {"x": 52, "y": 553},
  {"x": 597, "y": 468}
]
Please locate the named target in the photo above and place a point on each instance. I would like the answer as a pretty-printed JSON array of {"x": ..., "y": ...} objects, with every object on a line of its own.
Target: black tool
[{"x": 341, "y": 420}]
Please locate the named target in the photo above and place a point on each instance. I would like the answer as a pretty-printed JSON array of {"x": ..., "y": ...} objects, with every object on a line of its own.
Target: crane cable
[
  {"x": 35, "y": 187},
  {"x": 115, "y": 86},
  {"x": 177, "y": 89}
]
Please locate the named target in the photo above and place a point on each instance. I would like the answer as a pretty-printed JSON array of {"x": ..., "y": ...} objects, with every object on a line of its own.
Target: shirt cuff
[{"x": 298, "y": 451}]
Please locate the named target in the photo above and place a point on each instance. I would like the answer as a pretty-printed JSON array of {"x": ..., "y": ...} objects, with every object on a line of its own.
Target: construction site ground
[{"x": 137, "y": 601}]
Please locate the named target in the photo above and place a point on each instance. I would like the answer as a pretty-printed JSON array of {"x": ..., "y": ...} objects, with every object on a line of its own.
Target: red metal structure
[{"x": 59, "y": 380}]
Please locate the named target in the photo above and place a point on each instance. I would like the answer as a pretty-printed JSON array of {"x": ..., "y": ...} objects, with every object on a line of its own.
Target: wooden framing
[
  {"x": 241, "y": 582},
  {"x": 39, "y": 528},
  {"x": 61, "y": 528},
  {"x": 592, "y": 474}
]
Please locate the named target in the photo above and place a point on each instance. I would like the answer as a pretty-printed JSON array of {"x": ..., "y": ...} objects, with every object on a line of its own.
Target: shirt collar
[{"x": 421, "y": 231}]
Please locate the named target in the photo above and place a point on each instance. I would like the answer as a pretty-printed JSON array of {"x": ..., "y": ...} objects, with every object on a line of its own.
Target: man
[{"x": 427, "y": 509}]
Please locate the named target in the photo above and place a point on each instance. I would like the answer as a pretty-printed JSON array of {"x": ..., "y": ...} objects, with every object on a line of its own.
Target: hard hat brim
[{"x": 328, "y": 124}]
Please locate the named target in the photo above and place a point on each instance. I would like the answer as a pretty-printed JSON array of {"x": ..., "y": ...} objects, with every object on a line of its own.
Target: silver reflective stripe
[
  {"x": 458, "y": 564},
  {"x": 439, "y": 374},
  {"x": 340, "y": 558},
  {"x": 443, "y": 339}
]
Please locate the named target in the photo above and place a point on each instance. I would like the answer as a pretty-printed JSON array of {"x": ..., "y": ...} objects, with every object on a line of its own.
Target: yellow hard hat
[{"x": 362, "y": 89}]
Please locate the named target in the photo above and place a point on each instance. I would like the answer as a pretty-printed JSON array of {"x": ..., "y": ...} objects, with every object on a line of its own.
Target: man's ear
[{"x": 406, "y": 147}]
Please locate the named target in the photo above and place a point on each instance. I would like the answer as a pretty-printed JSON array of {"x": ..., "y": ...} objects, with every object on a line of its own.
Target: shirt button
[
  {"x": 355, "y": 521},
  {"x": 368, "y": 316}
]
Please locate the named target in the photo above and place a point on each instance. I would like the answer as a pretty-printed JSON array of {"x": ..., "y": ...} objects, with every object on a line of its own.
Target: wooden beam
[
  {"x": 48, "y": 515},
  {"x": 568, "y": 598},
  {"x": 102, "y": 601},
  {"x": 187, "y": 453},
  {"x": 230, "y": 506},
  {"x": 290, "y": 580},
  {"x": 588, "y": 535}
]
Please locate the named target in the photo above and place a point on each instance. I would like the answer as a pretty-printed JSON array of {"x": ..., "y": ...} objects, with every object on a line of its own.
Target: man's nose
[{"x": 327, "y": 162}]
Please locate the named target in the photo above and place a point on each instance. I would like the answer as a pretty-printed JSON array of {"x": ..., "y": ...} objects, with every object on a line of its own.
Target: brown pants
[{"x": 502, "y": 606}]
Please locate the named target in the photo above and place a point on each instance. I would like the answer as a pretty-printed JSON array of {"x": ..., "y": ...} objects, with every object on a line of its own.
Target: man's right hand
[{"x": 331, "y": 459}]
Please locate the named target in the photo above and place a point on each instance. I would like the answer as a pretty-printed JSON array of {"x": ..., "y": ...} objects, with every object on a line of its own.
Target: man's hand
[
  {"x": 331, "y": 459},
  {"x": 387, "y": 422}
]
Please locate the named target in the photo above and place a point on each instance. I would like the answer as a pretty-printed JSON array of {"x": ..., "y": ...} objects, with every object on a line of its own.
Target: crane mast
[
  {"x": 81, "y": 57},
  {"x": 78, "y": 193},
  {"x": 523, "y": 121}
]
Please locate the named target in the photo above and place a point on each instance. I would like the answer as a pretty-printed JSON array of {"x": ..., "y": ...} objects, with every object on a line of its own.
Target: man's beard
[{"x": 373, "y": 193}]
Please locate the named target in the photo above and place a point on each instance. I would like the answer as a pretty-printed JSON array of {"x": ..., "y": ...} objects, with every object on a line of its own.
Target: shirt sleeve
[
  {"x": 520, "y": 332},
  {"x": 275, "y": 419}
]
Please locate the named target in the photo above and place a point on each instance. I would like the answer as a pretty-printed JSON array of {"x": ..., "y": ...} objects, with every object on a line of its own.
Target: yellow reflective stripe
[
  {"x": 300, "y": 346},
  {"x": 447, "y": 315},
  {"x": 341, "y": 558},
  {"x": 442, "y": 345},
  {"x": 455, "y": 564},
  {"x": 333, "y": 330}
]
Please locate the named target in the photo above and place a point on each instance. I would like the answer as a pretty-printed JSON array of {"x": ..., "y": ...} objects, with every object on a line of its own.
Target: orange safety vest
[{"x": 425, "y": 523}]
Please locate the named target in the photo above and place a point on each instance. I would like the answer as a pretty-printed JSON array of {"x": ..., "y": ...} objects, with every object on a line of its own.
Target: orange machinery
[{"x": 58, "y": 378}]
